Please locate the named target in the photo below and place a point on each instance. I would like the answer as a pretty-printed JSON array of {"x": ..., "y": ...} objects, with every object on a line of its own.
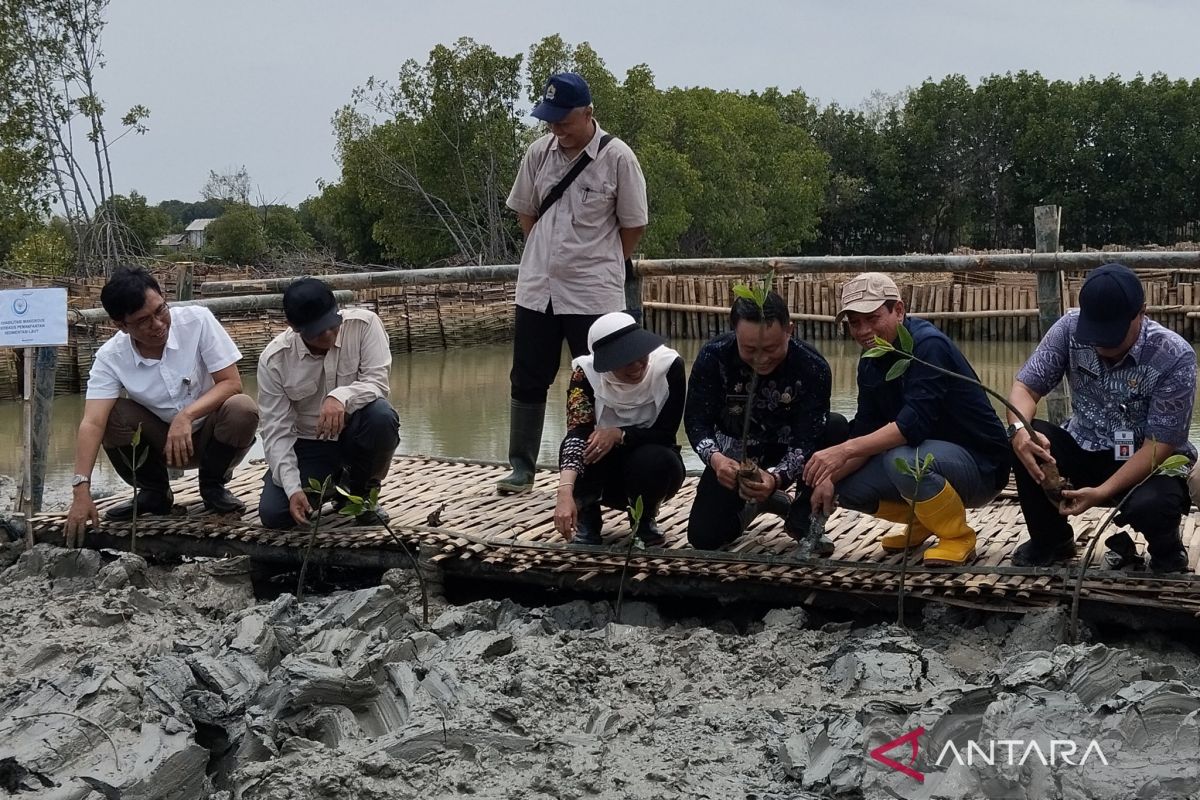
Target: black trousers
[
  {"x": 1154, "y": 510},
  {"x": 715, "y": 520},
  {"x": 537, "y": 349},
  {"x": 653, "y": 472},
  {"x": 360, "y": 454}
]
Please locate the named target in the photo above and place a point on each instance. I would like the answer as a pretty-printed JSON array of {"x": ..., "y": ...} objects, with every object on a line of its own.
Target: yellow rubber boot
[
  {"x": 945, "y": 515},
  {"x": 895, "y": 511}
]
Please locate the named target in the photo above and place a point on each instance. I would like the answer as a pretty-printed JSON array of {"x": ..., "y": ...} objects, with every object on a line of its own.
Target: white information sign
[{"x": 33, "y": 317}]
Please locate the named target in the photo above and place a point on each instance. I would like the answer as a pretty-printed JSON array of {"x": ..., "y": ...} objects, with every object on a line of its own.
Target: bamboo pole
[
  {"x": 827, "y": 318},
  {"x": 505, "y": 273},
  {"x": 1046, "y": 222},
  {"x": 217, "y": 305}
]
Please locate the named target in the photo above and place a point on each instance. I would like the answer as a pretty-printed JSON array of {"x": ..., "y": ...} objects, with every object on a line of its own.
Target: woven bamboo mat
[{"x": 449, "y": 509}]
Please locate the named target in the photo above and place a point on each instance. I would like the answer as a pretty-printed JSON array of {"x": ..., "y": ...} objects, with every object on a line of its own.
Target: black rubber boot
[
  {"x": 524, "y": 443},
  {"x": 216, "y": 468},
  {"x": 778, "y": 504},
  {"x": 648, "y": 530},
  {"x": 1043, "y": 553},
  {"x": 154, "y": 489},
  {"x": 589, "y": 522}
]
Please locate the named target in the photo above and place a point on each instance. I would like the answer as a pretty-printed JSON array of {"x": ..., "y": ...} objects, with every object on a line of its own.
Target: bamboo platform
[{"x": 447, "y": 510}]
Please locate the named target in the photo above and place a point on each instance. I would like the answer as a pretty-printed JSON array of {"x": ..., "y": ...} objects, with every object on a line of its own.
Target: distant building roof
[
  {"x": 172, "y": 240},
  {"x": 198, "y": 224}
]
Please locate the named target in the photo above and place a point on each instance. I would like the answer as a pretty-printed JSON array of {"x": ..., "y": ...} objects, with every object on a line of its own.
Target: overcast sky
[{"x": 254, "y": 82}]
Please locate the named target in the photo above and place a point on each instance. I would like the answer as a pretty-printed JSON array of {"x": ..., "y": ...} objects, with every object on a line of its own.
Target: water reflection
[{"x": 455, "y": 403}]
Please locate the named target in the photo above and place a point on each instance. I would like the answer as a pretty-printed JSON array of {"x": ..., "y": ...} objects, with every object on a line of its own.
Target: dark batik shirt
[
  {"x": 791, "y": 406},
  {"x": 1150, "y": 392}
]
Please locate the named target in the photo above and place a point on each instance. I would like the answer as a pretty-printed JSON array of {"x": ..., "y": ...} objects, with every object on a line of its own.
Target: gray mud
[{"x": 120, "y": 680}]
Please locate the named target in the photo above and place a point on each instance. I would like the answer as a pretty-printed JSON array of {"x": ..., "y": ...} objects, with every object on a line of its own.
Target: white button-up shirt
[
  {"x": 197, "y": 346},
  {"x": 293, "y": 382},
  {"x": 573, "y": 254}
]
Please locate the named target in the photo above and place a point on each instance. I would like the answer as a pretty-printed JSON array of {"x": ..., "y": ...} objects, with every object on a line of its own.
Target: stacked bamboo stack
[{"x": 965, "y": 305}]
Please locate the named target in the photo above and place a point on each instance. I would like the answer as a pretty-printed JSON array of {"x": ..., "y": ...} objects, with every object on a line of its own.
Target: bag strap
[{"x": 561, "y": 187}]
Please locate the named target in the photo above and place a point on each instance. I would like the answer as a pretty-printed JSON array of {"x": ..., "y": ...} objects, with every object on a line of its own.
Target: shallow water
[{"x": 455, "y": 403}]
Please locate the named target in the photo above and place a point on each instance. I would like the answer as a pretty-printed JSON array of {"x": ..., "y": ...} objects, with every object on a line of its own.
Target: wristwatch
[
  {"x": 1013, "y": 427},
  {"x": 78, "y": 479}
]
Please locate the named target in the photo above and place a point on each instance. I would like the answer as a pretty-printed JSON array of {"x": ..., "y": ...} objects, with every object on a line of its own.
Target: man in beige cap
[{"x": 917, "y": 413}]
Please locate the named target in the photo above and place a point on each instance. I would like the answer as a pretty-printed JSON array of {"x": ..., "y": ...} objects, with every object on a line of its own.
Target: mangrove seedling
[
  {"x": 320, "y": 489},
  {"x": 635, "y": 510},
  {"x": 135, "y": 459},
  {"x": 1053, "y": 484},
  {"x": 1175, "y": 466},
  {"x": 356, "y": 504},
  {"x": 757, "y": 294},
  {"x": 917, "y": 469}
]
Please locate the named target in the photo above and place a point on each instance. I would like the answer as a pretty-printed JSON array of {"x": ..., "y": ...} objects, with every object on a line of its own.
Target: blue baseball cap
[
  {"x": 562, "y": 94},
  {"x": 1109, "y": 300}
]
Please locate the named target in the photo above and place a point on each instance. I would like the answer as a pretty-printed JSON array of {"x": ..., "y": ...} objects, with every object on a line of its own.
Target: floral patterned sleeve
[{"x": 581, "y": 421}]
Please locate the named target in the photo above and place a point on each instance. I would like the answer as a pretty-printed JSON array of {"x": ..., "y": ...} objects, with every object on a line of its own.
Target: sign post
[{"x": 31, "y": 318}]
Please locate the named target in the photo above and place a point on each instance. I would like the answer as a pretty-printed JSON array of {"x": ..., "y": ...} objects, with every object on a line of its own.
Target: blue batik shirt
[{"x": 1150, "y": 392}]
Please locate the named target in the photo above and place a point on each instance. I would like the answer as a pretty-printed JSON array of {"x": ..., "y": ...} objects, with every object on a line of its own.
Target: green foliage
[
  {"x": 146, "y": 224},
  {"x": 757, "y": 291},
  {"x": 181, "y": 214},
  {"x": 237, "y": 236},
  {"x": 283, "y": 231},
  {"x": 44, "y": 251}
]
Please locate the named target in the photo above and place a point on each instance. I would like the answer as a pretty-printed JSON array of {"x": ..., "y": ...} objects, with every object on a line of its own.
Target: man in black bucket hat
[
  {"x": 1132, "y": 383},
  {"x": 323, "y": 388}
]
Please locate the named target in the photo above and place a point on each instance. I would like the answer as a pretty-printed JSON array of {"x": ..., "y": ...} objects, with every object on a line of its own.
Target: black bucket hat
[{"x": 616, "y": 340}]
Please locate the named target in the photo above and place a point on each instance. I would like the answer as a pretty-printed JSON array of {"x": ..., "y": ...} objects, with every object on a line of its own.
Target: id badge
[{"x": 1122, "y": 445}]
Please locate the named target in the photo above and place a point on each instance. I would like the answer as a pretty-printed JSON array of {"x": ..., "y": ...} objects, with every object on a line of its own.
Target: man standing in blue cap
[
  {"x": 581, "y": 200},
  {"x": 1132, "y": 387}
]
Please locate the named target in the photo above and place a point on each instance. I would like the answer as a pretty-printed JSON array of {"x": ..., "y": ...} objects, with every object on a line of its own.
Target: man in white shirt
[
  {"x": 177, "y": 368},
  {"x": 577, "y": 243},
  {"x": 323, "y": 386}
]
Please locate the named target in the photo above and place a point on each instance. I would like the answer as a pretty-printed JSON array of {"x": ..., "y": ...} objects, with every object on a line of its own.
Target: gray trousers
[{"x": 879, "y": 479}]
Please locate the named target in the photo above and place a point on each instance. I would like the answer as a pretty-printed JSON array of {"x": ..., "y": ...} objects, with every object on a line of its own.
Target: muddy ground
[{"x": 120, "y": 679}]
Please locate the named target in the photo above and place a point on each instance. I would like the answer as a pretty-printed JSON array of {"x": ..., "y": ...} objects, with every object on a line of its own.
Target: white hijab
[{"x": 621, "y": 405}]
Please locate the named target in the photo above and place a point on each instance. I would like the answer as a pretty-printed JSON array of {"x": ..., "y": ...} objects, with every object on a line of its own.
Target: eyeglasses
[{"x": 161, "y": 314}]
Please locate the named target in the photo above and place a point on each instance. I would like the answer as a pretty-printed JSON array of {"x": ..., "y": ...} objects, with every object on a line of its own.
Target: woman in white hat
[{"x": 624, "y": 407}]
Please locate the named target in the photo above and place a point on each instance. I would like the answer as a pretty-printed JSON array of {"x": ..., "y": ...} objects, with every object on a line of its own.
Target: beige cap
[{"x": 867, "y": 292}]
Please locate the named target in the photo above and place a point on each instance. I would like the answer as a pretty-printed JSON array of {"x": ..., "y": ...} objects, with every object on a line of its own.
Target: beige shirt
[
  {"x": 293, "y": 382},
  {"x": 573, "y": 255}
]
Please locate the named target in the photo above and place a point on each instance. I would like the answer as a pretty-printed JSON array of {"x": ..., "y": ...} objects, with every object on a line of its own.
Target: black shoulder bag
[{"x": 561, "y": 187}]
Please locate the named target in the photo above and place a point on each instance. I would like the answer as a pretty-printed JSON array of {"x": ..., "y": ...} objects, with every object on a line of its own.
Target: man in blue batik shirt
[{"x": 1132, "y": 383}]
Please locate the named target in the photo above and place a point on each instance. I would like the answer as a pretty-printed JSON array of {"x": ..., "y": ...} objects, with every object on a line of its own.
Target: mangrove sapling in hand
[
  {"x": 320, "y": 489},
  {"x": 356, "y": 505},
  {"x": 1053, "y": 484},
  {"x": 1175, "y": 466},
  {"x": 757, "y": 294}
]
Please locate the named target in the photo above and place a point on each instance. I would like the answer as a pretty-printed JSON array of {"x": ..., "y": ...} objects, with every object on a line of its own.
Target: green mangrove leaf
[
  {"x": 906, "y": 340},
  {"x": 137, "y": 436},
  {"x": 875, "y": 352},
  {"x": 1175, "y": 466},
  {"x": 903, "y": 467},
  {"x": 928, "y": 462},
  {"x": 897, "y": 369}
]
